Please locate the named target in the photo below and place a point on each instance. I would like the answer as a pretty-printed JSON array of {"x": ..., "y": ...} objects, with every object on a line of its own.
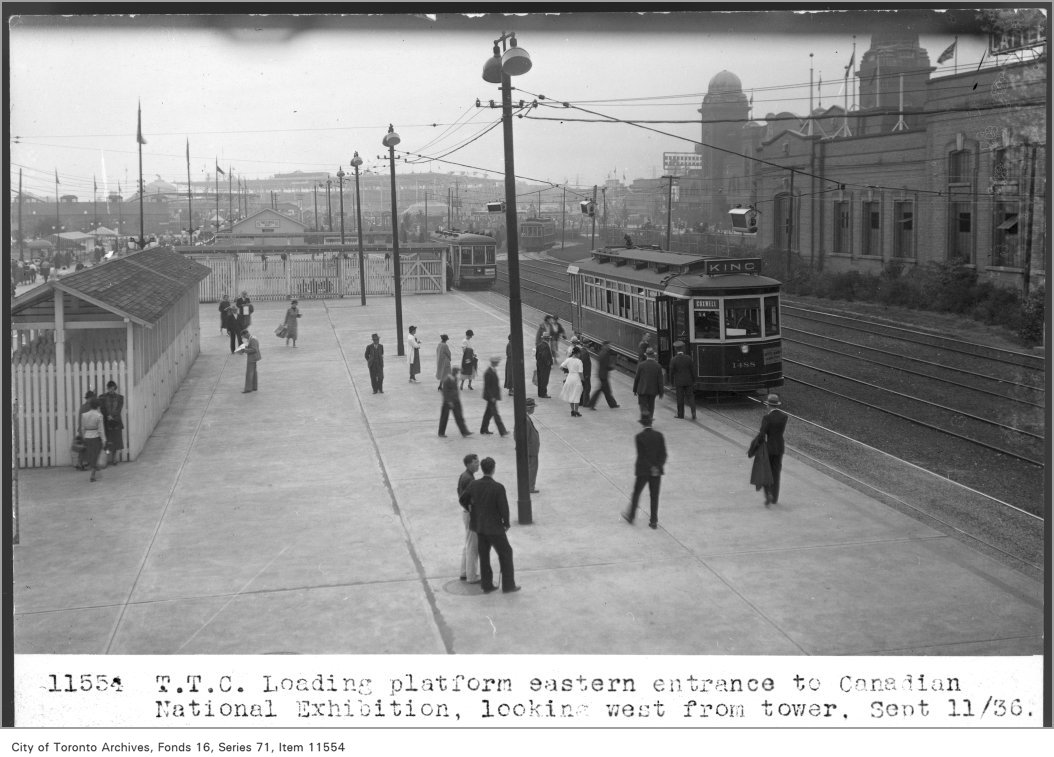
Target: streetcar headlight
[{"x": 744, "y": 348}]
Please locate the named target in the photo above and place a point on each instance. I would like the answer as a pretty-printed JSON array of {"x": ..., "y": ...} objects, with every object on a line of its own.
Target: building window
[
  {"x": 960, "y": 232},
  {"x": 842, "y": 233},
  {"x": 871, "y": 230},
  {"x": 1006, "y": 250},
  {"x": 959, "y": 167},
  {"x": 904, "y": 229},
  {"x": 1002, "y": 166}
]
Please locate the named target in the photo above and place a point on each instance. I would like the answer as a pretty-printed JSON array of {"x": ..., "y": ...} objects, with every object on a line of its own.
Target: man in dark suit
[
  {"x": 374, "y": 355},
  {"x": 451, "y": 403},
  {"x": 643, "y": 347},
  {"x": 534, "y": 446},
  {"x": 605, "y": 362},
  {"x": 647, "y": 383},
  {"x": 651, "y": 457},
  {"x": 252, "y": 357},
  {"x": 491, "y": 395},
  {"x": 490, "y": 509},
  {"x": 543, "y": 360},
  {"x": 245, "y": 311},
  {"x": 682, "y": 376},
  {"x": 773, "y": 424}
]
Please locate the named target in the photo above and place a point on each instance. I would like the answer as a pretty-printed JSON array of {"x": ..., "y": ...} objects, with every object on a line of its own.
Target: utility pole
[
  {"x": 593, "y": 234},
  {"x": 1027, "y": 263},
  {"x": 669, "y": 209},
  {"x": 790, "y": 227},
  {"x": 563, "y": 217}
]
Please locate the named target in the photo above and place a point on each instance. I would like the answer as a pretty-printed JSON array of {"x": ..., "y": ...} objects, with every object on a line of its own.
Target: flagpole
[
  {"x": 190, "y": 199},
  {"x": 58, "y": 221},
  {"x": 808, "y": 129},
  {"x": 853, "y": 58},
  {"x": 230, "y": 205},
  {"x": 139, "y": 140},
  {"x": 217, "y": 196},
  {"x": 94, "y": 203},
  {"x": 21, "y": 229}
]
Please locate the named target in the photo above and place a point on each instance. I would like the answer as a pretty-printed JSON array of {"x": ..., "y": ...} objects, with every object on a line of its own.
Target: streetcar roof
[
  {"x": 670, "y": 271},
  {"x": 462, "y": 237}
]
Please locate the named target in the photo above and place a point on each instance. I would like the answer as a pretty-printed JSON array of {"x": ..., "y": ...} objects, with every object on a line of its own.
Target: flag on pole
[
  {"x": 219, "y": 170},
  {"x": 852, "y": 60},
  {"x": 139, "y": 127},
  {"x": 949, "y": 51}
]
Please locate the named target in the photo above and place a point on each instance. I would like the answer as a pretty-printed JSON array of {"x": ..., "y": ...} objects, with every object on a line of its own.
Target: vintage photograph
[{"x": 701, "y": 333}]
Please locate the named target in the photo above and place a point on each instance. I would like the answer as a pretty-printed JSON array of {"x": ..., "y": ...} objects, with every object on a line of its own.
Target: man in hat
[
  {"x": 375, "y": 362},
  {"x": 647, "y": 383},
  {"x": 252, "y": 357},
  {"x": 490, "y": 514},
  {"x": 451, "y": 403},
  {"x": 773, "y": 424},
  {"x": 491, "y": 395},
  {"x": 682, "y": 376},
  {"x": 556, "y": 332},
  {"x": 533, "y": 446},
  {"x": 605, "y": 362},
  {"x": 543, "y": 360},
  {"x": 651, "y": 457},
  {"x": 643, "y": 347}
]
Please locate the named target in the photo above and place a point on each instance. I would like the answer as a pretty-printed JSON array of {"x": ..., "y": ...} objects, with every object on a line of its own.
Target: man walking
[
  {"x": 470, "y": 551},
  {"x": 251, "y": 348},
  {"x": 651, "y": 457},
  {"x": 543, "y": 359},
  {"x": 491, "y": 395},
  {"x": 647, "y": 383},
  {"x": 451, "y": 403},
  {"x": 605, "y": 362},
  {"x": 490, "y": 507},
  {"x": 375, "y": 362},
  {"x": 682, "y": 376}
]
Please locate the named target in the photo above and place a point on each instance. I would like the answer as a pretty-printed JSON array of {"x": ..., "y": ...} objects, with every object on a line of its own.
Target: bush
[{"x": 1033, "y": 316}]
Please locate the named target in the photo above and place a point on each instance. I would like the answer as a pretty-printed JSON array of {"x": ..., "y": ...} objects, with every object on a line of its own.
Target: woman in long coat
[
  {"x": 291, "y": 316},
  {"x": 225, "y": 303},
  {"x": 468, "y": 360},
  {"x": 413, "y": 357},
  {"x": 442, "y": 359},
  {"x": 571, "y": 391}
]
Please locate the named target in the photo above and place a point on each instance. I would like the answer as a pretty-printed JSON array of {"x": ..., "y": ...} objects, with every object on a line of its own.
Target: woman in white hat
[{"x": 773, "y": 424}]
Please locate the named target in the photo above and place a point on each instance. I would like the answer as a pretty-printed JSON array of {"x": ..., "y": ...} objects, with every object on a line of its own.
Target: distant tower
[
  {"x": 892, "y": 54},
  {"x": 723, "y": 113}
]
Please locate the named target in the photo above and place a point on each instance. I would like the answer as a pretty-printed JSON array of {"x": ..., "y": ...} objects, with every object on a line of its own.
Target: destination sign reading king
[{"x": 733, "y": 265}]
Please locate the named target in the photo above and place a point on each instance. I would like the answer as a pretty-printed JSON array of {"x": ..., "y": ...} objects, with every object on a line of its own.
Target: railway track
[{"x": 967, "y": 411}]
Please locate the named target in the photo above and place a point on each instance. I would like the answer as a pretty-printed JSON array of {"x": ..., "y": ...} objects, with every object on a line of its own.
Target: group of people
[{"x": 100, "y": 429}]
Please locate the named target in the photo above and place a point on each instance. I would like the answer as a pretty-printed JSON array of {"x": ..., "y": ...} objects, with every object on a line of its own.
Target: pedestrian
[
  {"x": 82, "y": 459},
  {"x": 543, "y": 360},
  {"x": 292, "y": 316},
  {"x": 442, "y": 360},
  {"x": 587, "y": 366},
  {"x": 773, "y": 424},
  {"x": 111, "y": 405},
  {"x": 605, "y": 362},
  {"x": 225, "y": 302},
  {"x": 251, "y": 348},
  {"x": 647, "y": 383},
  {"x": 245, "y": 311},
  {"x": 470, "y": 550},
  {"x": 468, "y": 360},
  {"x": 45, "y": 270},
  {"x": 651, "y": 457},
  {"x": 545, "y": 327},
  {"x": 94, "y": 435},
  {"x": 571, "y": 391},
  {"x": 533, "y": 446},
  {"x": 374, "y": 355},
  {"x": 682, "y": 376},
  {"x": 643, "y": 347},
  {"x": 490, "y": 506},
  {"x": 230, "y": 322},
  {"x": 491, "y": 395},
  {"x": 556, "y": 333},
  {"x": 451, "y": 404},
  {"x": 413, "y": 357},
  {"x": 510, "y": 382}
]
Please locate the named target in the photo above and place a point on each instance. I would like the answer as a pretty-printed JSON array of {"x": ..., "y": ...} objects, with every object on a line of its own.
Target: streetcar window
[
  {"x": 636, "y": 310},
  {"x": 490, "y": 255},
  {"x": 707, "y": 324},
  {"x": 772, "y": 316},
  {"x": 466, "y": 256},
  {"x": 623, "y": 305},
  {"x": 609, "y": 302},
  {"x": 743, "y": 318},
  {"x": 649, "y": 313}
]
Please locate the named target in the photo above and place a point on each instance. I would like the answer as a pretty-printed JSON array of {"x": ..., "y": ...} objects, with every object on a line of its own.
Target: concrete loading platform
[{"x": 315, "y": 517}]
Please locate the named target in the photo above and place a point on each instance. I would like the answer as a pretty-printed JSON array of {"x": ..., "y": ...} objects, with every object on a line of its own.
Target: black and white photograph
[{"x": 755, "y": 298}]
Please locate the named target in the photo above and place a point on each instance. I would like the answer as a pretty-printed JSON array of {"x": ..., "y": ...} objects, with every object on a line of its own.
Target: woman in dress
[
  {"x": 468, "y": 360},
  {"x": 442, "y": 360},
  {"x": 413, "y": 357},
  {"x": 572, "y": 389},
  {"x": 94, "y": 429},
  {"x": 82, "y": 461},
  {"x": 291, "y": 316}
]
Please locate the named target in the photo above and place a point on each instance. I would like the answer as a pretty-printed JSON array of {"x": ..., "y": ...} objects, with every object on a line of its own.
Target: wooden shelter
[{"x": 132, "y": 320}]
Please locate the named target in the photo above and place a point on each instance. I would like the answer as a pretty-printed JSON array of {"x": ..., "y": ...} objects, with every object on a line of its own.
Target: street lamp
[
  {"x": 340, "y": 180},
  {"x": 355, "y": 163},
  {"x": 391, "y": 139},
  {"x": 499, "y": 69},
  {"x": 314, "y": 189},
  {"x": 329, "y": 204}
]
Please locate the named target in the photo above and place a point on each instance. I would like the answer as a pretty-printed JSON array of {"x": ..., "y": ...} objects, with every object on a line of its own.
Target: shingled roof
[{"x": 141, "y": 286}]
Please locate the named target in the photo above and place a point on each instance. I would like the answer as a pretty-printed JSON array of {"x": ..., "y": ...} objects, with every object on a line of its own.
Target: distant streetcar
[
  {"x": 725, "y": 312},
  {"x": 471, "y": 258},
  {"x": 537, "y": 234}
]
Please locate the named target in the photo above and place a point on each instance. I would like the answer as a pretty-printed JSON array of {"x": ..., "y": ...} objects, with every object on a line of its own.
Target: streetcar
[
  {"x": 725, "y": 312},
  {"x": 537, "y": 234},
  {"x": 471, "y": 258}
]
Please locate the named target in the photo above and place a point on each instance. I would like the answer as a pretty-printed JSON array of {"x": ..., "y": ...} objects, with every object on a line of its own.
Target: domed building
[{"x": 724, "y": 182}]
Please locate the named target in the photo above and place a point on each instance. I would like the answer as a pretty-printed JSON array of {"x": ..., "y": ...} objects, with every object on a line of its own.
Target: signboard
[
  {"x": 268, "y": 223},
  {"x": 733, "y": 265},
  {"x": 1018, "y": 30},
  {"x": 704, "y": 304}
]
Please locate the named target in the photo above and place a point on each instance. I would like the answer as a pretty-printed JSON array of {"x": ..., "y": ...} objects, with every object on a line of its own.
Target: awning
[{"x": 1008, "y": 224}]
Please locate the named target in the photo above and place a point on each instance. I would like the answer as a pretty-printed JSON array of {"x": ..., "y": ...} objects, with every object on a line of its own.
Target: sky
[{"x": 281, "y": 93}]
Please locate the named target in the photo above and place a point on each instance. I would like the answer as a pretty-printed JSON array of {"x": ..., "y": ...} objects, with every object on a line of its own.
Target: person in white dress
[
  {"x": 572, "y": 389},
  {"x": 413, "y": 353}
]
